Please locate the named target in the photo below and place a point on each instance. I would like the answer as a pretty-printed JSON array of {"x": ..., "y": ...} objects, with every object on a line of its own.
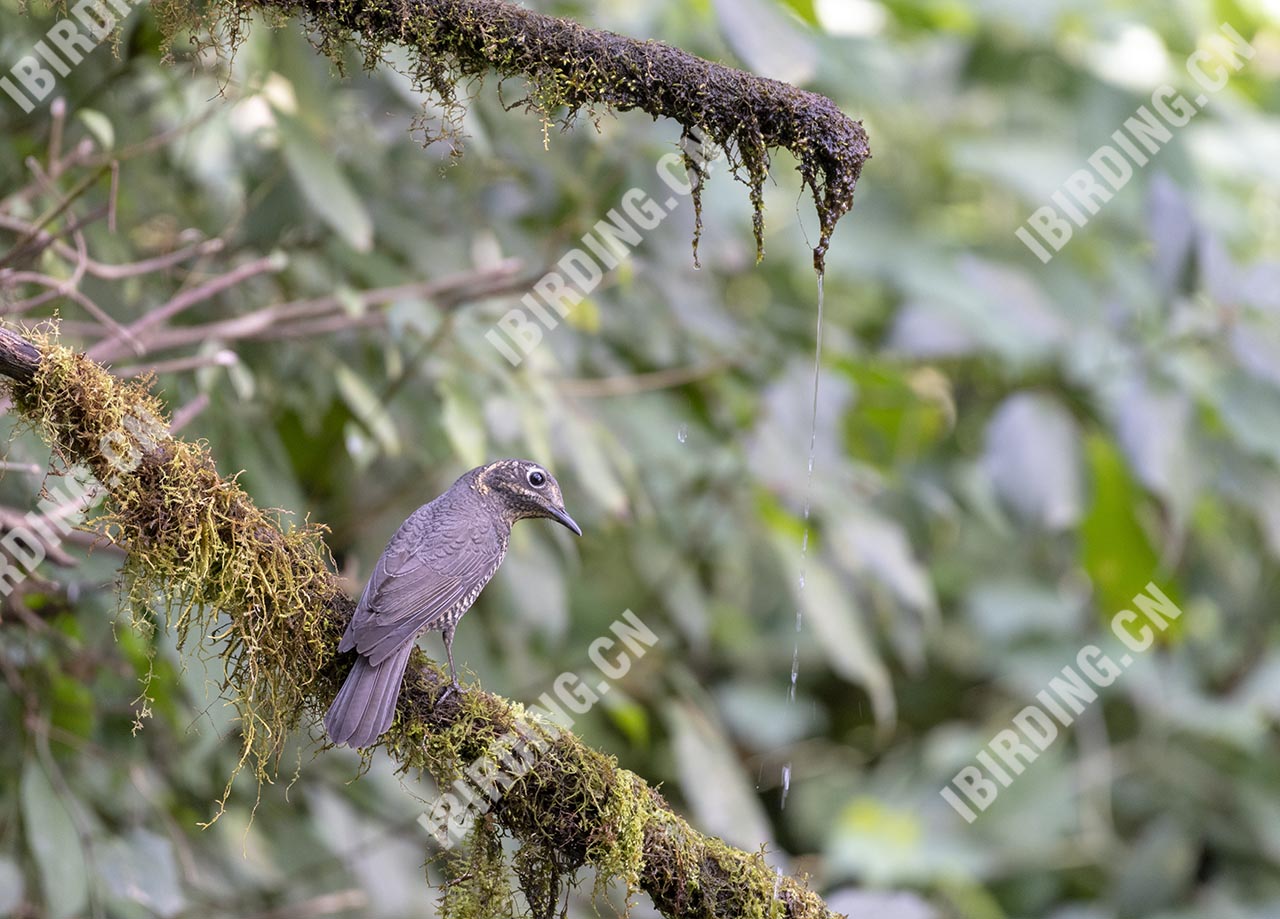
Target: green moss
[
  {"x": 560, "y": 790},
  {"x": 477, "y": 886},
  {"x": 617, "y": 849},
  {"x": 568, "y": 70}
]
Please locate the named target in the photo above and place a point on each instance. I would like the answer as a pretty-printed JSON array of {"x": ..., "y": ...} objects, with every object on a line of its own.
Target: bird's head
[{"x": 524, "y": 489}]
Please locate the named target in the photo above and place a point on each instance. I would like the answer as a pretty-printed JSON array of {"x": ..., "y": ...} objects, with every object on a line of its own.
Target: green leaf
[
  {"x": 767, "y": 40},
  {"x": 1115, "y": 551},
  {"x": 349, "y": 297},
  {"x": 1158, "y": 870},
  {"x": 714, "y": 780},
  {"x": 12, "y": 886},
  {"x": 1250, "y": 411},
  {"x": 323, "y": 183},
  {"x": 878, "y": 548},
  {"x": 54, "y": 844},
  {"x": 463, "y": 423},
  {"x": 99, "y": 126},
  {"x": 141, "y": 869},
  {"x": 368, "y": 408},
  {"x": 628, "y": 716},
  {"x": 898, "y": 415},
  {"x": 73, "y": 706},
  {"x": 584, "y": 316},
  {"x": 762, "y": 718},
  {"x": 805, "y": 9},
  {"x": 1032, "y": 458}
]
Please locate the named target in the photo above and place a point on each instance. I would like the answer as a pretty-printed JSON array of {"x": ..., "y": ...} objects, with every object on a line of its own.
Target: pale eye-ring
[{"x": 537, "y": 478}]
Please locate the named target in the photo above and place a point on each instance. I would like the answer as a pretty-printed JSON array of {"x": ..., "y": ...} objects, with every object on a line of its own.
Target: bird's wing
[{"x": 430, "y": 567}]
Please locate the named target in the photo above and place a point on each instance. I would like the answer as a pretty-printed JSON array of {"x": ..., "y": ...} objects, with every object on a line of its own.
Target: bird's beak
[{"x": 561, "y": 516}]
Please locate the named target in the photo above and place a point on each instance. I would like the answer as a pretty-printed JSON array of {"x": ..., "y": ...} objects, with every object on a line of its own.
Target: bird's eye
[{"x": 537, "y": 478}]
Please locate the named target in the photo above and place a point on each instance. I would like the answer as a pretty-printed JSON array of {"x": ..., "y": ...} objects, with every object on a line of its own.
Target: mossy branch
[
  {"x": 196, "y": 541},
  {"x": 570, "y": 68}
]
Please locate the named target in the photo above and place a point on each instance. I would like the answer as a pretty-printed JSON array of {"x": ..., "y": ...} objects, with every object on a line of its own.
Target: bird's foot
[{"x": 453, "y": 687}]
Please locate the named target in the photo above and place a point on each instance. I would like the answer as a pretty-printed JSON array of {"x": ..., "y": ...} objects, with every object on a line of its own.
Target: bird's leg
[{"x": 453, "y": 673}]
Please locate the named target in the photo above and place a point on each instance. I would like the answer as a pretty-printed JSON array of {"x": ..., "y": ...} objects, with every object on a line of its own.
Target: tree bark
[{"x": 570, "y": 68}]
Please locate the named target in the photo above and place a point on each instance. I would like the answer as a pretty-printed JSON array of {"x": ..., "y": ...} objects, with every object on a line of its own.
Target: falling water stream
[
  {"x": 804, "y": 543},
  {"x": 804, "y": 549}
]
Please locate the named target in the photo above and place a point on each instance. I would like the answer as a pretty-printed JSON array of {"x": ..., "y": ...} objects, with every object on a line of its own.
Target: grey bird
[{"x": 431, "y": 572}]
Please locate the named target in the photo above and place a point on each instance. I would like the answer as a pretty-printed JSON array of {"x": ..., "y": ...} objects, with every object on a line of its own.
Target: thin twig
[
  {"x": 185, "y": 414},
  {"x": 271, "y": 321},
  {"x": 222, "y": 358},
  {"x": 64, "y": 289},
  {"x": 156, "y": 141},
  {"x": 113, "y": 196},
  {"x": 32, "y": 468},
  {"x": 51, "y": 215},
  {"x": 105, "y": 350},
  {"x": 57, "y": 119},
  {"x": 41, "y": 240},
  {"x": 128, "y": 269},
  {"x": 12, "y": 519},
  {"x": 78, "y": 156}
]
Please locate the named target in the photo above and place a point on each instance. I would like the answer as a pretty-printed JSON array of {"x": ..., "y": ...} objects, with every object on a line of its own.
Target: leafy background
[{"x": 1006, "y": 453}]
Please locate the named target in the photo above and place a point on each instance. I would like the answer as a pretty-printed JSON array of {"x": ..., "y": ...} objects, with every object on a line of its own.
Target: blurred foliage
[{"x": 1006, "y": 453}]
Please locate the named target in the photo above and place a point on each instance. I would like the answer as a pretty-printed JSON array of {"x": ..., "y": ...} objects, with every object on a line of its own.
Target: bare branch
[
  {"x": 286, "y": 320},
  {"x": 106, "y": 350},
  {"x": 222, "y": 358}
]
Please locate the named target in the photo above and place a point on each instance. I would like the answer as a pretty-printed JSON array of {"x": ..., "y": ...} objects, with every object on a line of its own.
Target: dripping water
[
  {"x": 795, "y": 665},
  {"x": 804, "y": 543},
  {"x": 682, "y": 434}
]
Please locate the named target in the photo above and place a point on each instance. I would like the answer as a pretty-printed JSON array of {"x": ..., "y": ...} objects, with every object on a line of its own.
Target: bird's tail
[{"x": 366, "y": 704}]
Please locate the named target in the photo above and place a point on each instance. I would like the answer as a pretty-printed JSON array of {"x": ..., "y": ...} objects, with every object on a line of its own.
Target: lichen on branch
[
  {"x": 570, "y": 68},
  {"x": 238, "y": 584}
]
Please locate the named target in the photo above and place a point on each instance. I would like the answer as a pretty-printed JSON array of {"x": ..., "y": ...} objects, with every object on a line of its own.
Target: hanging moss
[
  {"x": 478, "y": 886},
  {"x": 199, "y": 547},
  {"x": 568, "y": 69},
  {"x": 230, "y": 578}
]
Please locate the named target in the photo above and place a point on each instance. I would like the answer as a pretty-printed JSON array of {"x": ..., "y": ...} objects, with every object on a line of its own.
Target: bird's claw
[{"x": 450, "y": 690}]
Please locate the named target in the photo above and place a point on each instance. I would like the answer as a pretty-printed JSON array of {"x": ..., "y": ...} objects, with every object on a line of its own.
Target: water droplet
[
  {"x": 683, "y": 434},
  {"x": 786, "y": 784},
  {"x": 795, "y": 673}
]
